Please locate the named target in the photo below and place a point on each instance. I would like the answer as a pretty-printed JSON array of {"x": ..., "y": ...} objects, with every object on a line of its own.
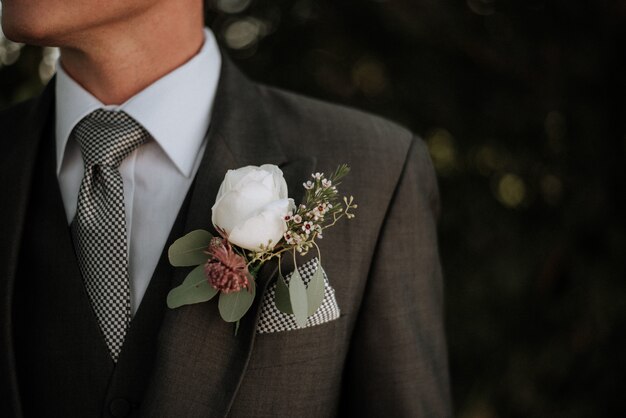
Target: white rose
[{"x": 251, "y": 206}]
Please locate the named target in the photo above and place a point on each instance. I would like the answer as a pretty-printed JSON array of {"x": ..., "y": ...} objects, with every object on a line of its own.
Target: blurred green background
[{"x": 522, "y": 106}]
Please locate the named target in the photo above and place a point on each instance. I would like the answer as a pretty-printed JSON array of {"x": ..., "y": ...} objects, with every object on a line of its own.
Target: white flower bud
[{"x": 251, "y": 206}]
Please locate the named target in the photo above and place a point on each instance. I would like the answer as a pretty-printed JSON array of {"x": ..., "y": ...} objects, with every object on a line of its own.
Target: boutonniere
[{"x": 257, "y": 222}]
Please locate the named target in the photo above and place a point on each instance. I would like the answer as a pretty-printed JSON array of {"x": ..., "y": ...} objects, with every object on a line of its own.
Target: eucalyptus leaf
[
  {"x": 282, "y": 301},
  {"x": 233, "y": 306},
  {"x": 189, "y": 250},
  {"x": 194, "y": 289},
  {"x": 297, "y": 295},
  {"x": 315, "y": 291}
]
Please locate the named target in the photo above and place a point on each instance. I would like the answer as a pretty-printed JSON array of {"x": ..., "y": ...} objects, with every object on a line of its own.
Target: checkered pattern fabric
[
  {"x": 99, "y": 229},
  {"x": 273, "y": 320}
]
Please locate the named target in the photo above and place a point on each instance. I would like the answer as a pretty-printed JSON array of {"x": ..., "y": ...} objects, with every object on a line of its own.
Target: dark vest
[{"x": 64, "y": 368}]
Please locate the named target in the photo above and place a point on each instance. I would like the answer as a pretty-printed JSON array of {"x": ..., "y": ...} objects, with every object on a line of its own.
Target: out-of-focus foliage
[{"x": 522, "y": 106}]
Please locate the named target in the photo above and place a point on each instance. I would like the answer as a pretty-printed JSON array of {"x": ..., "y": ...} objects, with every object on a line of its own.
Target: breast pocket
[
  {"x": 273, "y": 320},
  {"x": 320, "y": 343}
]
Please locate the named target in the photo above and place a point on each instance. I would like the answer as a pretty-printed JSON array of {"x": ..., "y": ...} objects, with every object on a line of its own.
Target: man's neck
[{"x": 117, "y": 61}]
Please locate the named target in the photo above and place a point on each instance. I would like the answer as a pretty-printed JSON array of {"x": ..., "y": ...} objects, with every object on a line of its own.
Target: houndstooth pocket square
[{"x": 273, "y": 320}]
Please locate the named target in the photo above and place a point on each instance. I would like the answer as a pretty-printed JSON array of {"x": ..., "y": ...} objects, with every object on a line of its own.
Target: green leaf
[
  {"x": 315, "y": 291},
  {"x": 194, "y": 289},
  {"x": 297, "y": 295},
  {"x": 282, "y": 301},
  {"x": 233, "y": 306},
  {"x": 189, "y": 250}
]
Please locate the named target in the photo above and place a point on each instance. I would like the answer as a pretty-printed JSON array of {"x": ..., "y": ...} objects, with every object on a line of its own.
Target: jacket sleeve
[{"x": 397, "y": 364}]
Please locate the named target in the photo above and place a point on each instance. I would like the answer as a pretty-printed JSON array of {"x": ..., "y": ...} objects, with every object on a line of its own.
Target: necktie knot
[{"x": 106, "y": 137}]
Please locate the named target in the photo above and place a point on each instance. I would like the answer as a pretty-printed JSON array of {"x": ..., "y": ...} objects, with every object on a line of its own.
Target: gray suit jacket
[{"x": 384, "y": 356}]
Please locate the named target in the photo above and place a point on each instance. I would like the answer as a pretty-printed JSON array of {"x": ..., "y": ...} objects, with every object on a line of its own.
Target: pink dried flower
[{"x": 226, "y": 270}]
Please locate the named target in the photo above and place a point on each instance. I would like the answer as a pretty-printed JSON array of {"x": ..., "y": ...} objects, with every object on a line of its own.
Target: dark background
[{"x": 522, "y": 106}]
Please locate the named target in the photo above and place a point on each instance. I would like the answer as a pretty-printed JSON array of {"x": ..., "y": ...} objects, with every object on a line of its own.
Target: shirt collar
[{"x": 175, "y": 110}]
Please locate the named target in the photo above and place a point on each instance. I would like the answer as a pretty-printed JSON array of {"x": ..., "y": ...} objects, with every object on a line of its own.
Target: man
[{"x": 147, "y": 71}]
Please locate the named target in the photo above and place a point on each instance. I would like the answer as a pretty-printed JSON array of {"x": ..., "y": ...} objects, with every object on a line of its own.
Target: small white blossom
[
  {"x": 290, "y": 238},
  {"x": 293, "y": 238},
  {"x": 297, "y": 219},
  {"x": 326, "y": 183},
  {"x": 317, "y": 176},
  {"x": 320, "y": 210},
  {"x": 308, "y": 184},
  {"x": 307, "y": 227}
]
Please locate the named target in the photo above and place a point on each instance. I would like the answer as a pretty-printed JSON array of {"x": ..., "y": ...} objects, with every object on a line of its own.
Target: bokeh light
[
  {"x": 244, "y": 33},
  {"x": 47, "y": 66},
  {"x": 511, "y": 190},
  {"x": 442, "y": 150},
  {"x": 232, "y": 6}
]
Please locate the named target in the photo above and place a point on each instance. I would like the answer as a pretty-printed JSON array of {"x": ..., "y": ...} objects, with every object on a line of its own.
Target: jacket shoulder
[{"x": 319, "y": 126}]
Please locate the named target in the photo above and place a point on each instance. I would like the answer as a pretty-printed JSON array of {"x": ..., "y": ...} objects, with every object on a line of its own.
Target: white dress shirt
[{"x": 176, "y": 111}]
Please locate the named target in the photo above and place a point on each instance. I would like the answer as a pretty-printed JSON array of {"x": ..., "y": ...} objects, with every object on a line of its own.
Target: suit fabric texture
[{"x": 384, "y": 355}]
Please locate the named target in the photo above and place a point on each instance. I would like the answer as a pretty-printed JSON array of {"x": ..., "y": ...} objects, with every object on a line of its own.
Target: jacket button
[{"x": 119, "y": 408}]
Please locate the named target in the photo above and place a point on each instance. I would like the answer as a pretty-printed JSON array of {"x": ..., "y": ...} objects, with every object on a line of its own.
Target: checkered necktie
[{"x": 99, "y": 229}]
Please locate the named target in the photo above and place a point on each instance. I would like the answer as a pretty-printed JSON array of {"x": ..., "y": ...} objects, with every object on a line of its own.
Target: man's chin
[{"x": 30, "y": 32}]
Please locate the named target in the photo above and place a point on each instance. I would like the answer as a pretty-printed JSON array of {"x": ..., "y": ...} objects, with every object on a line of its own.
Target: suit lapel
[
  {"x": 200, "y": 362},
  {"x": 22, "y": 131}
]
